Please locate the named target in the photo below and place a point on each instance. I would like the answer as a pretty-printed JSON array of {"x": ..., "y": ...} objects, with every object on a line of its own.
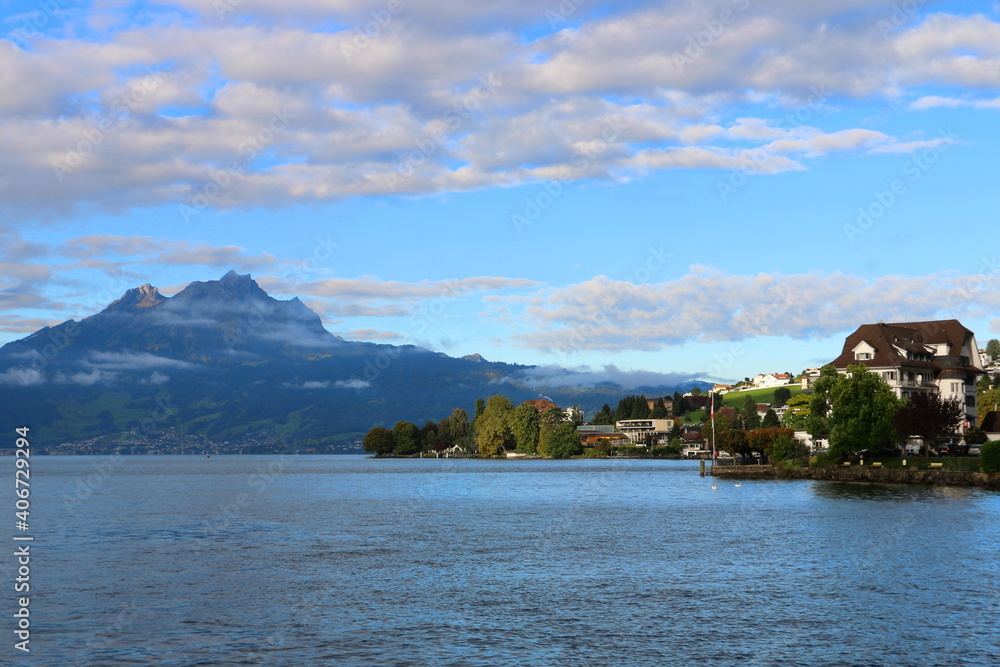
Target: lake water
[{"x": 354, "y": 561}]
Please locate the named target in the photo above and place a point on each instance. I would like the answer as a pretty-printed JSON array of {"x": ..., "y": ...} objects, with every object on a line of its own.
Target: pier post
[{"x": 701, "y": 467}]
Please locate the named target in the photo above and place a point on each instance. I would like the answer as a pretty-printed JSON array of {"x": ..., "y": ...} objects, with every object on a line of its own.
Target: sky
[{"x": 638, "y": 189}]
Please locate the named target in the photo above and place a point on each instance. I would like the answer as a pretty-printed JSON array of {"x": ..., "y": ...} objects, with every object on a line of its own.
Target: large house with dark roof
[{"x": 939, "y": 356}]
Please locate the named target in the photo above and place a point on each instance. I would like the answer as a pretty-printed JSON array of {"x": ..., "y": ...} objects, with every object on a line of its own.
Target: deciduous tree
[
  {"x": 379, "y": 441},
  {"x": 781, "y": 395},
  {"x": 797, "y": 415},
  {"x": 928, "y": 416},
  {"x": 407, "y": 437},
  {"x": 493, "y": 433},
  {"x": 524, "y": 423},
  {"x": 863, "y": 411}
]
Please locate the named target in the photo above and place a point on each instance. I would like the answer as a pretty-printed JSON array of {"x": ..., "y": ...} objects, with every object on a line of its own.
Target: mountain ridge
[{"x": 239, "y": 364}]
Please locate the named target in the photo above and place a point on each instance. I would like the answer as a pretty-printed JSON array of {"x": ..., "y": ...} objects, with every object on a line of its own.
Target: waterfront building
[{"x": 937, "y": 356}]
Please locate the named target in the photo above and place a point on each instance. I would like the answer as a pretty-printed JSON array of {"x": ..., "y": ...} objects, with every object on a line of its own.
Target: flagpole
[{"x": 711, "y": 403}]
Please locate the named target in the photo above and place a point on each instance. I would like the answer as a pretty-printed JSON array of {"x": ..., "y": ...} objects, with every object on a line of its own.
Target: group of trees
[
  {"x": 501, "y": 427},
  {"x": 637, "y": 407},
  {"x": 498, "y": 427},
  {"x": 405, "y": 438},
  {"x": 630, "y": 407}
]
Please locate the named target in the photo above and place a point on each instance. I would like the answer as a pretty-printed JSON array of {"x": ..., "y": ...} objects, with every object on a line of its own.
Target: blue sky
[{"x": 698, "y": 188}]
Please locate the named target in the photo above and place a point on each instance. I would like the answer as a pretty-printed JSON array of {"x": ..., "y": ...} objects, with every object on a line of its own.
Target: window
[{"x": 861, "y": 356}]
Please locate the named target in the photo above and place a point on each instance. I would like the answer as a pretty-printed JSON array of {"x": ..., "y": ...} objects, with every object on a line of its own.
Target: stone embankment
[{"x": 865, "y": 474}]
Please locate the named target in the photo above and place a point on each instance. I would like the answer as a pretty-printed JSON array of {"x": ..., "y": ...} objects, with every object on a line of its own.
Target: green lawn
[{"x": 734, "y": 399}]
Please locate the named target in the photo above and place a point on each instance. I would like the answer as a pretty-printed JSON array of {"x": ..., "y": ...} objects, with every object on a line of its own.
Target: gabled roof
[{"x": 891, "y": 342}]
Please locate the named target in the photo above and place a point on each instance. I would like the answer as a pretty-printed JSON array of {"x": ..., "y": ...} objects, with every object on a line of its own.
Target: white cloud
[
  {"x": 22, "y": 377},
  {"x": 264, "y": 106},
  {"x": 710, "y": 305},
  {"x": 134, "y": 361},
  {"x": 352, "y": 384}
]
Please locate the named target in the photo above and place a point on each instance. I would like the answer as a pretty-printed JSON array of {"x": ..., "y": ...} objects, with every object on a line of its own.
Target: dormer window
[{"x": 863, "y": 356}]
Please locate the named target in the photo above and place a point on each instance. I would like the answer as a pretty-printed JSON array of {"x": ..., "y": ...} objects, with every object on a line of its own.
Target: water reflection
[{"x": 903, "y": 492}]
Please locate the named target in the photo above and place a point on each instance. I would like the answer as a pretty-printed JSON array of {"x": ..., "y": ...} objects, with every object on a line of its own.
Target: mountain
[{"x": 224, "y": 363}]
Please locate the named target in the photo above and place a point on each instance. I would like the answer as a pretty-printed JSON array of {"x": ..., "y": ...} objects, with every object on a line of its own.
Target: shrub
[
  {"x": 823, "y": 460},
  {"x": 975, "y": 436},
  {"x": 989, "y": 458},
  {"x": 786, "y": 447}
]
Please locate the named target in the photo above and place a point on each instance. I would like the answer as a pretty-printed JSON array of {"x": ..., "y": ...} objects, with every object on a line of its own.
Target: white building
[
  {"x": 765, "y": 380},
  {"x": 636, "y": 430},
  {"x": 938, "y": 356}
]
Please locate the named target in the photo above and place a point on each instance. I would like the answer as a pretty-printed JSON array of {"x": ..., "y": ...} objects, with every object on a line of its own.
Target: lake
[{"x": 354, "y": 561}]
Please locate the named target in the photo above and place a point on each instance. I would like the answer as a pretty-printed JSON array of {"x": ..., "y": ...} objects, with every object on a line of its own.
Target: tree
[
  {"x": 724, "y": 420},
  {"x": 928, "y": 416},
  {"x": 819, "y": 422},
  {"x": 424, "y": 436},
  {"x": 493, "y": 433},
  {"x": 993, "y": 348},
  {"x": 379, "y": 441},
  {"x": 679, "y": 404},
  {"x": 603, "y": 416},
  {"x": 548, "y": 422},
  {"x": 659, "y": 410},
  {"x": 480, "y": 406},
  {"x": 863, "y": 411},
  {"x": 562, "y": 442},
  {"x": 676, "y": 431},
  {"x": 454, "y": 429},
  {"x": 988, "y": 401},
  {"x": 786, "y": 447},
  {"x": 770, "y": 419},
  {"x": 781, "y": 395},
  {"x": 407, "y": 438},
  {"x": 524, "y": 424},
  {"x": 733, "y": 441},
  {"x": 640, "y": 408},
  {"x": 762, "y": 440},
  {"x": 696, "y": 391},
  {"x": 797, "y": 415},
  {"x": 751, "y": 419}
]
